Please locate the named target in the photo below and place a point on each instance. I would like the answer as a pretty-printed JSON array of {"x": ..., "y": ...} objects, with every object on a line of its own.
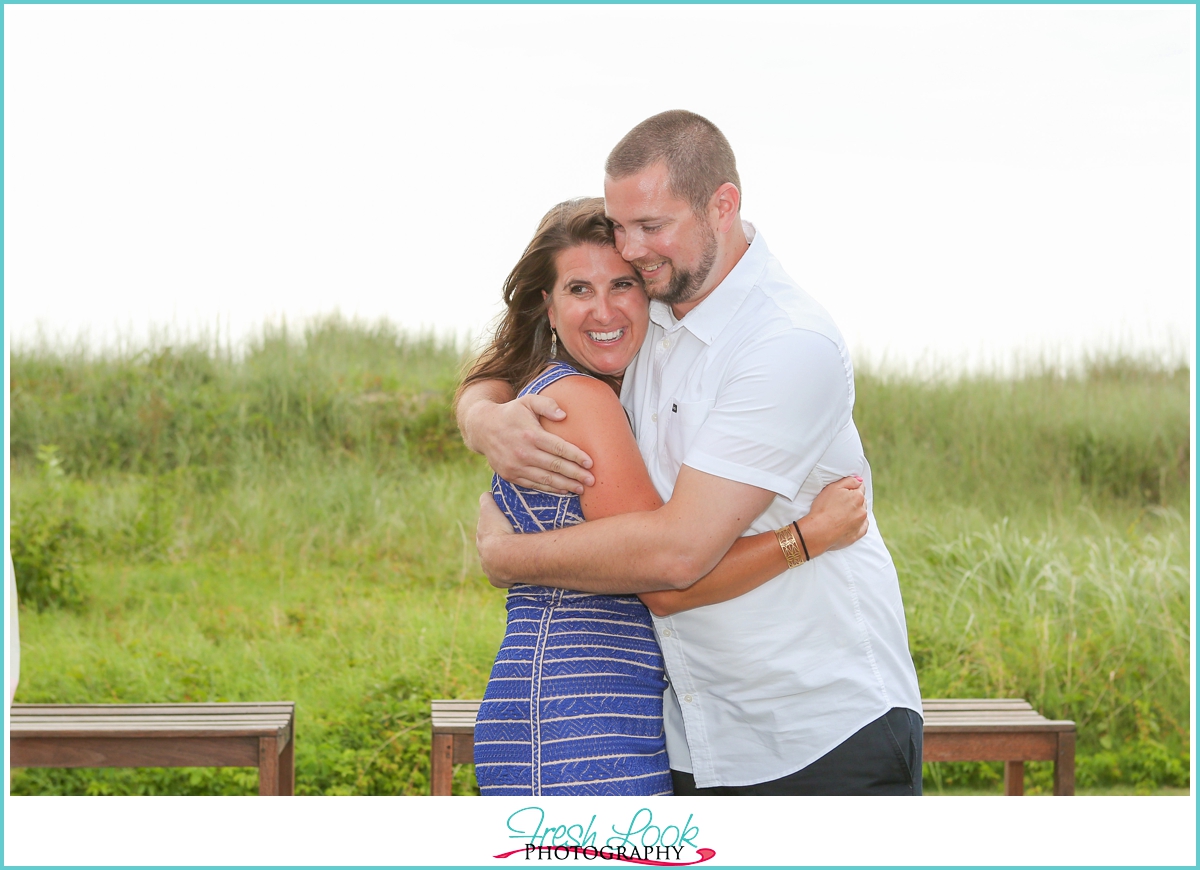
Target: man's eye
[{"x": 653, "y": 229}]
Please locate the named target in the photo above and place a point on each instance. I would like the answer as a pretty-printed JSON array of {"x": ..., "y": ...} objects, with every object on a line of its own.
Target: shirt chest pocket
[{"x": 680, "y": 422}]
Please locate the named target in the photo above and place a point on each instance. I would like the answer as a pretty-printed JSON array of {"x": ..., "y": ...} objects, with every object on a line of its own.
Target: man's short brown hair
[{"x": 697, "y": 155}]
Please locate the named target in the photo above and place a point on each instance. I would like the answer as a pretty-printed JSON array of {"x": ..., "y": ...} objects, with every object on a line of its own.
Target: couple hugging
[{"x": 671, "y": 415}]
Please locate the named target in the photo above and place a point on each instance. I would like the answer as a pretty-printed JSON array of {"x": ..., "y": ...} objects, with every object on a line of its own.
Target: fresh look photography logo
[{"x": 638, "y": 841}]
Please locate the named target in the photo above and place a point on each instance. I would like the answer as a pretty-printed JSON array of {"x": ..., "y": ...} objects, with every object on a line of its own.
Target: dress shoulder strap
[{"x": 556, "y": 371}]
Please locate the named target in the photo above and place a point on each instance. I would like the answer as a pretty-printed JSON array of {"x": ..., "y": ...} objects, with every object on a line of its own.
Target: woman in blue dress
[{"x": 574, "y": 702}]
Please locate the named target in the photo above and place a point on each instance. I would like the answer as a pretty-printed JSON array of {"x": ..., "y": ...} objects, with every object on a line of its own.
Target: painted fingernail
[{"x": 859, "y": 479}]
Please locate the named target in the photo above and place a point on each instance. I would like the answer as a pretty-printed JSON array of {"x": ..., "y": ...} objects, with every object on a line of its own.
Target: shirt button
[
  {"x": 666, "y": 632},
  {"x": 654, "y": 417},
  {"x": 687, "y": 699},
  {"x": 666, "y": 342}
]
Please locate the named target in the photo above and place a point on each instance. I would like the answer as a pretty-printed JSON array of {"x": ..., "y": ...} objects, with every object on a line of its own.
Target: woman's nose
[{"x": 602, "y": 309}]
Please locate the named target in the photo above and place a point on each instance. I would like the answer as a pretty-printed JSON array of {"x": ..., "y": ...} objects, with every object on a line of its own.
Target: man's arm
[
  {"x": 508, "y": 432},
  {"x": 669, "y": 548}
]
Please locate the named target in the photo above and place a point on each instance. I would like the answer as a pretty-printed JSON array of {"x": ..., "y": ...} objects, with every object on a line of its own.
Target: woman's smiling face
[{"x": 598, "y": 308}]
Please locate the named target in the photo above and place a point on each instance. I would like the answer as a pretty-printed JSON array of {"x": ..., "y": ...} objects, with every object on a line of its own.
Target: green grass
[{"x": 295, "y": 522}]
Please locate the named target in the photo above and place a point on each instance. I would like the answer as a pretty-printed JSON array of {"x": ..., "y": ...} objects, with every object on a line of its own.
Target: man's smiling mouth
[
  {"x": 650, "y": 270},
  {"x": 615, "y": 335}
]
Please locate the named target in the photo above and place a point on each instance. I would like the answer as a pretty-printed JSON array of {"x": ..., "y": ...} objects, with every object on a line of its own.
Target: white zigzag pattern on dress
[
  {"x": 595, "y": 736},
  {"x": 597, "y": 716},
  {"x": 612, "y": 779},
  {"x": 604, "y": 646},
  {"x": 576, "y": 674},
  {"x": 599, "y": 758},
  {"x": 633, "y": 662},
  {"x": 594, "y": 621}
]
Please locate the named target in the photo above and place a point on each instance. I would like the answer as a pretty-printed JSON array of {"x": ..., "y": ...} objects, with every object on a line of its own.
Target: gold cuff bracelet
[{"x": 790, "y": 546}]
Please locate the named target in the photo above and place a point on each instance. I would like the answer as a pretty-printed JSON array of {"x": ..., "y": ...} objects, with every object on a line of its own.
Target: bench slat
[
  {"x": 156, "y": 717},
  {"x": 974, "y": 708},
  {"x": 131, "y": 731},
  {"x": 27, "y": 723},
  {"x": 157, "y": 751},
  {"x": 945, "y": 727},
  {"x": 185, "y": 705},
  {"x": 265, "y": 724},
  {"x": 984, "y": 746},
  {"x": 1015, "y": 718},
  {"x": 980, "y": 703},
  {"x": 116, "y": 721},
  {"x": 275, "y": 708}
]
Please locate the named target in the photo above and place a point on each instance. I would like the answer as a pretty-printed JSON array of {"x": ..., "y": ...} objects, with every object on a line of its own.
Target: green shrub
[
  {"x": 432, "y": 432},
  {"x": 338, "y": 387},
  {"x": 46, "y": 541}
]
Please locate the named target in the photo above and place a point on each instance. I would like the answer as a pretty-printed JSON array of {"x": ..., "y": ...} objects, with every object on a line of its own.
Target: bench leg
[
  {"x": 1064, "y": 764},
  {"x": 441, "y": 767},
  {"x": 287, "y": 767},
  {"x": 268, "y": 766},
  {"x": 1014, "y": 778}
]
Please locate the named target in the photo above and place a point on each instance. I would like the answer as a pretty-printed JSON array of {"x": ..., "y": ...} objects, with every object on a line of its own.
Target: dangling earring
[{"x": 553, "y": 343}]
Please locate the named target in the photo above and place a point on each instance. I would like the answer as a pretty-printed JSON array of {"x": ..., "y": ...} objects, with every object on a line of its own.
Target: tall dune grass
[{"x": 295, "y": 521}]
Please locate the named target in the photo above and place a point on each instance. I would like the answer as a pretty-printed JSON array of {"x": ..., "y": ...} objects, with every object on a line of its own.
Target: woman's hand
[
  {"x": 493, "y": 526},
  {"x": 838, "y": 516}
]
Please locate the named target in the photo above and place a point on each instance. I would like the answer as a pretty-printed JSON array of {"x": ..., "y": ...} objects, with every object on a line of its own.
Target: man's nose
[{"x": 631, "y": 247}]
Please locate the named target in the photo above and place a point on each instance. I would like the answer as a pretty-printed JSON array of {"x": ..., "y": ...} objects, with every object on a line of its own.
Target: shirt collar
[{"x": 707, "y": 319}]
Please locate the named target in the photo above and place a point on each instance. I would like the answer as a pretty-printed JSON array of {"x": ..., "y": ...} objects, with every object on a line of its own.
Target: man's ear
[{"x": 725, "y": 201}]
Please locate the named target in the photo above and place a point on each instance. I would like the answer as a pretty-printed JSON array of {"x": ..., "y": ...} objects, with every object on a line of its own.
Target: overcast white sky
[{"x": 953, "y": 183}]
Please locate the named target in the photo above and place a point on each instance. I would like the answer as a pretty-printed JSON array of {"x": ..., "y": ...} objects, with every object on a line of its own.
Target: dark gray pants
[{"x": 883, "y": 757}]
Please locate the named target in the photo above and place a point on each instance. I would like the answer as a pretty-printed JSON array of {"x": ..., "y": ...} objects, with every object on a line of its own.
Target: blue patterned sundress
[{"x": 574, "y": 702}]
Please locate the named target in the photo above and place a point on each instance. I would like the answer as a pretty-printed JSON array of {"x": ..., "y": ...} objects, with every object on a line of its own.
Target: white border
[{"x": 746, "y": 831}]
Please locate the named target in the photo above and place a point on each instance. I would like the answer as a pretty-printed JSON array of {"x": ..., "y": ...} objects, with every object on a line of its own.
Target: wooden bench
[
  {"x": 1000, "y": 729},
  {"x": 453, "y": 741},
  {"x": 159, "y": 735},
  {"x": 956, "y": 729}
]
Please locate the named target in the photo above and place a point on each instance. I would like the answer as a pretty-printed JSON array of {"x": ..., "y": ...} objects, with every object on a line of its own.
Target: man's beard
[{"x": 686, "y": 283}]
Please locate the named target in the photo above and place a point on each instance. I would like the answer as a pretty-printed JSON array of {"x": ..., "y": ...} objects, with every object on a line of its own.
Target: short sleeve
[{"x": 779, "y": 407}]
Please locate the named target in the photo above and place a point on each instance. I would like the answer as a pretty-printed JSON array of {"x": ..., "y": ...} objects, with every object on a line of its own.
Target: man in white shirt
[{"x": 741, "y": 398}]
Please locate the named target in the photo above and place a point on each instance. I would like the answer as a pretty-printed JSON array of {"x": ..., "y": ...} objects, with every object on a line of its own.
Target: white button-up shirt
[{"x": 755, "y": 385}]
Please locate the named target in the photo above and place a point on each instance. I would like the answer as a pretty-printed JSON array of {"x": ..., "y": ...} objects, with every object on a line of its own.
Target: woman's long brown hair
[{"x": 521, "y": 347}]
